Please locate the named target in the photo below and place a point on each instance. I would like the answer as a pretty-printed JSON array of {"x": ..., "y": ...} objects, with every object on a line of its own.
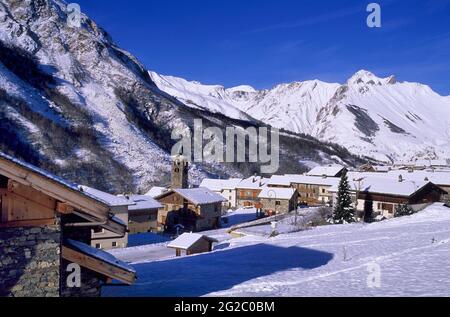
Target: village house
[
  {"x": 45, "y": 226},
  {"x": 224, "y": 187},
  {"x": 276, "y": 200},
  {"x": 143, "y": 214},
  {"x": 102, "y": 238},
  {"x": 247, "y": 191},
  {"x": 383, "y": 195},
  {"x": 331, "y": 170},
  {"x": 312, "y": 190},
  {"x": 196, "y": 209},
  {"x": 441, "y": 179},
  {"x": 192, "y": 243}
]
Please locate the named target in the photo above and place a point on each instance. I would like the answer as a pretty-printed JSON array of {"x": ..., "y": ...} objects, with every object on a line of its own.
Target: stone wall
[
  {"x": 30, "y": 261},
  {"x": 91, "y": 282}
]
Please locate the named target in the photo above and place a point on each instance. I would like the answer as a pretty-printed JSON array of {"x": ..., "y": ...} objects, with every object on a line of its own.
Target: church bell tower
[{"x": 180, "y": 168}]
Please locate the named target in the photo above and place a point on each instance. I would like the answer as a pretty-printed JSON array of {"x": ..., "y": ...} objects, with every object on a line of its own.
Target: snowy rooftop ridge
[
  {"x": 199, "y": 196},
  {"x": 253, "y": 182},
  {"x": 111, "y": 200},
  {"x": 143, "y": 202},
  {"x": 220, "y": 184},
  {"x": 327, "y": 170},
  {"x": 384, "y": 185},
  {"x": 277, "y": 193}
]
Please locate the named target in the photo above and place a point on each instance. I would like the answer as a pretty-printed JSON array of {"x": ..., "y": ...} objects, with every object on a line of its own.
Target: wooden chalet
[
  {"x": 195, "y": 209},
  {"x": 382, "y": 195},
  {"x": 45, "y": 226}
]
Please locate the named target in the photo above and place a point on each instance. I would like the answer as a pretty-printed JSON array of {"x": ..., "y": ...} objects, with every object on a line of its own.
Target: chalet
[
  {"x": 312, "y": 190},
  {"x": 196, "y": 209},
  {"x": 143, "y": 214},
  {"x": 327, "y": 171},
  {"x": 45, "y": 226},
  {"x": 102, "y": 238},
  {"x": 192, "y": 243},
  {"x": 383, "y": 195},
  {"x": 441, "y": 179},
  {"x": 247, "y": 191},
  {"x": 276, "y": 200},
  {"x": 224, "y": 187}
]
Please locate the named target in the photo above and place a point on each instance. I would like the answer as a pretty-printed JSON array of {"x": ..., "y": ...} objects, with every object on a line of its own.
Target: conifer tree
[{"x": 343, "y": 210}]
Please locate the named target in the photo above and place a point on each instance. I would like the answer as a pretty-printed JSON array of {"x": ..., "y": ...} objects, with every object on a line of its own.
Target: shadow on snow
[{"x": 211, "y": 272}]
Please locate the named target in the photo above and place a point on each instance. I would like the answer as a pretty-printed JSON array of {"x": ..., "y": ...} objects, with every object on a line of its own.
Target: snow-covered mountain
[
  {"x": 75, "y": 103},
  {"x": 378, "y": 117}
]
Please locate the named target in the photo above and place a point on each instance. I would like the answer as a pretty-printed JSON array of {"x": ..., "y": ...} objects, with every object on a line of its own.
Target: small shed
[{"x": 192, "y": 243}]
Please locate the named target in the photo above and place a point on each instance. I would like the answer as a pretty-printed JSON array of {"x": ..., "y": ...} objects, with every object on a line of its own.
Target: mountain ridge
[{"x": 363, "y": 114}]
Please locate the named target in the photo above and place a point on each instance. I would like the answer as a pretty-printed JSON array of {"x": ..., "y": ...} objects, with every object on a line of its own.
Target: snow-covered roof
[
  {"x": 277, "y": 193},
  {"x": 313, "y": 180},
  {"x": 289, "y": 179},
  {"x": 187, "y": 240},
  {"x": 143, "y": 202},
  {"x": 218, "y": 185},
  {"x": 254, "y": 182},
  {"x": 327, "y": 170},
  {"x": 156, "y": 191},
  {"x": 425, "y": 163},
  {"x": 436, "y": 177},
  {"x": 280, "y": 180},
  {"x": 384, "y": 185},
  {"x": 98, "y": 254},
  {"x": 111, "y": 200},
  {"x": 199, "y": 196}
]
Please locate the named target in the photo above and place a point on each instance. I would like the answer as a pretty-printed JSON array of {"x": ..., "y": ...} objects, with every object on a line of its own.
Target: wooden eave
[
  {"x": 54, "y": 189},
  {"x": 98, "y": 265}
]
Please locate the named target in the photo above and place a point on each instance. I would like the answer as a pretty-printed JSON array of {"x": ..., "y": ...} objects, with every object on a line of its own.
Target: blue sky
[{"x": 263, "y": 43}]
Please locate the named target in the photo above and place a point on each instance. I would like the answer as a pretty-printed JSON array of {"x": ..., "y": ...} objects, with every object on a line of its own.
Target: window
[
  {"x": 98, "y": 245},
  {"x": 277, "y": 203},
  {"x": 114, "y": 244},
  {"x": 323, "y": 191}
]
